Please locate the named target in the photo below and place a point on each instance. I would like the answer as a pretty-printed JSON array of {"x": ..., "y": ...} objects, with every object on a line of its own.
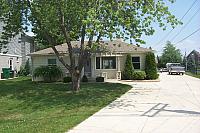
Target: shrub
[
  {"x": 128, "y": 68},
  {"x": 150, "y": 66},
  {"x": 67, "y": 79},
  {"x": 21, "y": 72},
  {"x": 99, "y": 79},
  {"x": 24, "y": 71},
  {"x": 139, "y": 75},
  {"x": 49, "y": 73},
  {"x": 84, "y": 78}
]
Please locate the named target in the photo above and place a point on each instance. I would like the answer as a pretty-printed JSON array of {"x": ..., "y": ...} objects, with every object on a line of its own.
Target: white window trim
[
  {"x": 11, "y": 65},
  {"x": 136, "y": 62},
  {"x": 51, "y": 59},
  {"x": 101, "y": 63}
]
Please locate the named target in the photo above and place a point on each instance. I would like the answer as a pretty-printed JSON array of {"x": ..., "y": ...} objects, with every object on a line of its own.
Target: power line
[
  {"x": 185, "y": 37},
  {"x": 186, "y": 24},
  {"x": 163, "y": 37},
  {"x": 189, "y": 9},
  {"x": 188, "y": 35},
  {"x": 174, "y": 27}
]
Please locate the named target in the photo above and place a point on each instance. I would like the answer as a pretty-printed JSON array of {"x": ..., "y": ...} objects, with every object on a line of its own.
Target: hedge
[
  {"x": 139, "y": 75},
  {"x": 49, "y": 73},
  {"x": 150, "y": 66},
  {"x": 128, "y": 68}
]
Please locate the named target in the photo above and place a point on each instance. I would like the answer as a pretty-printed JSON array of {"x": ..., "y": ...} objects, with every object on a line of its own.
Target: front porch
[{"x": 103, "y": 65}]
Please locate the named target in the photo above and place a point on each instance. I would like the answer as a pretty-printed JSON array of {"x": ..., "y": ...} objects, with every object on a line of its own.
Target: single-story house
[{"x": 108, "y": 64}]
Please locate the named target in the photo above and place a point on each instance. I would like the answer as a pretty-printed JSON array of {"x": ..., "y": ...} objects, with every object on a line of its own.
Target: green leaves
[
  {"x": 110, "y": 18},
  {"x": 48, "y": 73},
  {"x": 171, "y": 54},
  {"x": 128, "y": 68},
  {"x": 150, "y": 66}
]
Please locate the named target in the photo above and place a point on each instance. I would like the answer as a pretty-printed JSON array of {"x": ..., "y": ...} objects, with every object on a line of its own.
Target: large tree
[
  {"x": 170, "y": 54},
  {"x": 60, "y": 21}
]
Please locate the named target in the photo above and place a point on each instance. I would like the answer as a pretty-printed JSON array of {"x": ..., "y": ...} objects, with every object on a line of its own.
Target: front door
[
  {"x": 11, "y": 64},
  {"x": 87, "y": 68}
]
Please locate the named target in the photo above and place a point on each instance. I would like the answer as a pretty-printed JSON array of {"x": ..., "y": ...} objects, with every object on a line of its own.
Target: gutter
[{"x": 11, "y": 55}]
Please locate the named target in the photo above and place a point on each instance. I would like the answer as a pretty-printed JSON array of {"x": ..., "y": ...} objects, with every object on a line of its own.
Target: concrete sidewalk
[{"x": 169, "y": 106}]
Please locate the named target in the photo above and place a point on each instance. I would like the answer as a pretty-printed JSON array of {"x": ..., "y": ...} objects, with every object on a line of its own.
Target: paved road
[{"x": 169, "y": 106}]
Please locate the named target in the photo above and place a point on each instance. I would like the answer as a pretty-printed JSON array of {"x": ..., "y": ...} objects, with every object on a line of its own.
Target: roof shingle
[{"x": 115, "y": 46}]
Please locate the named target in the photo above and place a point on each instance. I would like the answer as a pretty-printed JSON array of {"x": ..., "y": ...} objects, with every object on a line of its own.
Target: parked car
[
  {"x": 175, "y": 68},
  {"x": 163, "y": 70}
]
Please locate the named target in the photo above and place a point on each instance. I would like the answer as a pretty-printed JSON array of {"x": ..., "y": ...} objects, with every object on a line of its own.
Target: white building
[
  {"x": 14, "y": 55},
  {"x": 107, "y": 64}
]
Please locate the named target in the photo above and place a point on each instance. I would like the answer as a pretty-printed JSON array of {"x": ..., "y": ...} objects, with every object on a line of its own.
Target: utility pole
[{"x": 185, "y": 61}]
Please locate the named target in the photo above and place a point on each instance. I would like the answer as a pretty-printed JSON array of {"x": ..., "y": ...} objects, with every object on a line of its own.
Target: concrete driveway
[{"x": 169, "y": 106}]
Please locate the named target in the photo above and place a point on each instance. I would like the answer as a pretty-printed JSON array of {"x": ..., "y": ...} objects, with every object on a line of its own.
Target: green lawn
[
  {"x": 193, "y": 75},
  {"x": 28, "y": 107}
]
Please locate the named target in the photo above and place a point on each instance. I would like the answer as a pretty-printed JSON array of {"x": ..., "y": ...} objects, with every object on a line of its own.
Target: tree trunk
[{"x": 76, "y": 79}]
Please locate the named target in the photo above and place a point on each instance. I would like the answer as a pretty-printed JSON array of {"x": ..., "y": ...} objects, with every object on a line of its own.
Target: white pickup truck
[{"x": 175, "y": 68}]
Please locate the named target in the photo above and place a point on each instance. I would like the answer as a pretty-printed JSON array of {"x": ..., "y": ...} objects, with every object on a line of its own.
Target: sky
[{"x": 179, "y": 8}]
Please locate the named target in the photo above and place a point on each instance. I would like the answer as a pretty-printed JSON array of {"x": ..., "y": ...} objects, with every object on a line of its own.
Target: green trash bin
[{"x": 6, "y": 73}]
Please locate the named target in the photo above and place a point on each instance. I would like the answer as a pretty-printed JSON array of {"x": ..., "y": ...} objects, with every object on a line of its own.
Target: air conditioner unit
[
  {"x": 118, "y": 75},
  {"x": 105, "y": 75}
]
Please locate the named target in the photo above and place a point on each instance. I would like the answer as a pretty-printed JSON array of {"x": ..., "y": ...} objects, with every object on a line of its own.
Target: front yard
[{"x": 31, "y": 107}]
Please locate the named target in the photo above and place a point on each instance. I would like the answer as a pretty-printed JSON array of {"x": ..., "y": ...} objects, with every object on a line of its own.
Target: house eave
[
  {"x": 115, "y": 53},
  {"x": 10, "y": 55}
]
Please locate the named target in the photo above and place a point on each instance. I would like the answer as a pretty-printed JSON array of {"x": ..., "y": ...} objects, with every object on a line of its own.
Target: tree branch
[
  {"x": 67, "y": 36},
  {"x": 60, "y": 58},
  {"x": 98, "y": 38},
  {"x": 90, "y": 40},
  {"x": 53, "y": 42},
  {"x": 81, "y": 60}
]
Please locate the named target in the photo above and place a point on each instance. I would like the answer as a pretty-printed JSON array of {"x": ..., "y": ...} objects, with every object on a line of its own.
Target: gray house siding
[{"x": 17, "y": 49}]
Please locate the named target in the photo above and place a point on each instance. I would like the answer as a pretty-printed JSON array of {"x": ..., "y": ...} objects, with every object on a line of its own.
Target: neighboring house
[
  {"x": 14, "y": 54},
  {"x": 193, "y": 61},
  {"x": 108, "y": 64}
]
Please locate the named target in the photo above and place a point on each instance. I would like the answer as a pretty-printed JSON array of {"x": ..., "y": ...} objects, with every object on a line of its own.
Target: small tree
[
  {"x": 150, "y": 66},
  {"x": 191, "y": 64},
  {"x": 24, "y": 71},
  {"x": 170, "y": 54},
  {"x": 128, "y": 68},
  {"x": 27, "y": 67}
]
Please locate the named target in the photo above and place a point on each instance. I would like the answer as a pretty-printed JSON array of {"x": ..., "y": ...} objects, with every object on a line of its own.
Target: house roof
[
  {"x": 115, "y": 46},
  {"x": 196, "y": 53}
]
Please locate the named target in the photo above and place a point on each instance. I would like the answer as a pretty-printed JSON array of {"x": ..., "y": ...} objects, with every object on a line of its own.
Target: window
[
  {"x": 51, "y": 61},
  {"x": 11, "y": 64},
  {"x": 136, "y": 62},
  {"x": 97, "y": 62},
  {"x": 109, "y": 62}
]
